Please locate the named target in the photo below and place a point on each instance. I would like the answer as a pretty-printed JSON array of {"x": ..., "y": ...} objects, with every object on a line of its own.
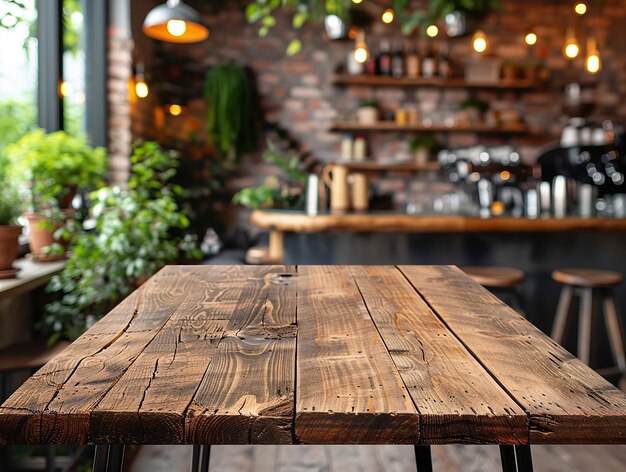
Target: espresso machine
[{"x": 585, "y": 173}]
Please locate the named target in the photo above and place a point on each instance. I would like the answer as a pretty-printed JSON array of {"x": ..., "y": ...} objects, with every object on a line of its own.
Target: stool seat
[
  {"x": 501, "y": 277},
  {"x": 587, "y": 277},
  {"x": 28, "y": 355}
]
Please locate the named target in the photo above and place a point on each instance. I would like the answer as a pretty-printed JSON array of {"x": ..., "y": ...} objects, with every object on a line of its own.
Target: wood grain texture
[
  {"x": 567, "y": 402},
  {"x": 348, "y": 389},
  {"x": 327, "y": 355},
  {"x": 252, "y": 400},
  {"x": 299, "y": 222},
  {"x": 457, "y": 399}
]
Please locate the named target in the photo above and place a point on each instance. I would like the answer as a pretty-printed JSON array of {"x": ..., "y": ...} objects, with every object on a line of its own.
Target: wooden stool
[
  {"x": 502, "y": 281},
  {"x": 26, "y": 356},
  {"x": 590, "y": 285}
]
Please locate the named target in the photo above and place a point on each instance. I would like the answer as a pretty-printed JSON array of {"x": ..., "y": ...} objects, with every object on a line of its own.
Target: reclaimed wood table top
[{"x": 314, "y": 354}]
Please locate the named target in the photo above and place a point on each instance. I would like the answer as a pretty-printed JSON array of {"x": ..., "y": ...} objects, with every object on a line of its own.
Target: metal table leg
[
  {"x": 101, "y": 458},
  {"x": 108, "y": 458},
  {"x": 200, "y": 458},
  {"x": 423, "y": 459},
  {"x": 524, "y": 459},
  {"x": 507, "y": 456}
]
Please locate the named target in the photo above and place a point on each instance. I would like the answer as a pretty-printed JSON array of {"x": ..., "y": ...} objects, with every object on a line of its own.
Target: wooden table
[{"x": 314, "y": 354}]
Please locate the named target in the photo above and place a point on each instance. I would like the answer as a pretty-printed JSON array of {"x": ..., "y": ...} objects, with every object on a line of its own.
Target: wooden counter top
[{"x": 299, "y": 222}]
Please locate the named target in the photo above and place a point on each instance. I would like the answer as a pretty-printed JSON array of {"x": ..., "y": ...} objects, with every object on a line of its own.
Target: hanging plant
[
  {"x": 230, "y": 117},
  {"x": 263, "y": 13}
]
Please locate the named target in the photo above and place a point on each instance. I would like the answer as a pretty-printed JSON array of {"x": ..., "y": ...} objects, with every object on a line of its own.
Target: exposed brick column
[{"x": 119, "y": 74}]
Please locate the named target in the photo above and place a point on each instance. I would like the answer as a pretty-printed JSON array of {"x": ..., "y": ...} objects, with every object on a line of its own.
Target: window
[{"x": 18, "y": 71}]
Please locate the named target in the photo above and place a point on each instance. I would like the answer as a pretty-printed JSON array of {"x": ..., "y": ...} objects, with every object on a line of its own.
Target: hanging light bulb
[
  {"x": 175, "y": 22},
  {"x": 531, "y": 38},
  {"x": 432, "y": 31},
  {"x": 580, "y": 8},
  {"x": 388, "y": 16},
  {"x": 141, "y": 87},
  {"x": 593, "y": 63},
  {"x": 479, "y": 42},
  {"x": 175, "y": 109},
  {"x": 361, "y": 53},
  {"x": 571, "y": 49}
]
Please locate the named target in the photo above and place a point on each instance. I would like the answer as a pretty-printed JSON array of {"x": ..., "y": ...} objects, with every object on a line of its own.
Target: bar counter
[{"x": 299, "y": 222}]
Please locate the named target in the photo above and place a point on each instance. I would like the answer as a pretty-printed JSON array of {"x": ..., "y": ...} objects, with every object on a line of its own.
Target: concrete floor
[{"x": 376, "y": 459}]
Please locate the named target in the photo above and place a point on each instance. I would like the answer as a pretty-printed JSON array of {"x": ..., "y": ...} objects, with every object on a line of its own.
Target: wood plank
[
  {"x": 246, "y": 395},
  {"x": 457, "y": 399},
  {"x": 51, "y": 408},
  {"x": 149, "y": 402},
  {"x": 567, "y": 401},
  {"x": 455, "y": 82},
  {"x": 348, "y": 388}
]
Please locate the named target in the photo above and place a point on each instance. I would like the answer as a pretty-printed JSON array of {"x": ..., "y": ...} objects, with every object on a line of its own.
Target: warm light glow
[
  {"x": 357, "y": 1},
  {"x": 531, "y": 39},
  {"x": 593, "y": 63},
  {"x": 176, "y": 27},
  {"x": 580, "y": 8},
  {"x": 505, "y": 175},
  {"x": 388, "y": 16},
  {"x": 479, "y": 42},
  {"x": 571, "y": 48},
  {"x": 361, "y": 54},
  {"x": 352, "y": 32},
  {"x": 432, "y": 31},
  {"x": 175, "y": 110},
  {"x": 64, "y": 89},
  {"x": 141, "y": 89}
]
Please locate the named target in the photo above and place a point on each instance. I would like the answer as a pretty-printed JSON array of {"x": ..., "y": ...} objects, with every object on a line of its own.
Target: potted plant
[
  {"x": 10, "y": 230},
  {"x": 367, "y": 113},
  {"x": 474, "y": 109},
  {"x": 423, "y": 148},
  {"x": 52, "y": 168},
  {"x": 136, "y": 231},
  {"x": 285, "y": 192},
  {"x": 509, "y": 70}
]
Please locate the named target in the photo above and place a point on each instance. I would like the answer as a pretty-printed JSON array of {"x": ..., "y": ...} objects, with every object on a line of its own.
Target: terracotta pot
[
  {"x": 9, "y": 245},
  {"x": 41, "y": 236}
]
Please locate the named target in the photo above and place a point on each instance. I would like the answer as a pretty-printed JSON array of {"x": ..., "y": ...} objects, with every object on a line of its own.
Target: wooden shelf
[
  {"x": 391, "y": 126},
  {"x": 382, "y": 81},
  {"x": 374, "y": 166}
]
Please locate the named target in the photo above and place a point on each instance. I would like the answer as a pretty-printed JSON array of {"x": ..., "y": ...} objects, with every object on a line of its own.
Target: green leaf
[{"x": 294, "y": 47}]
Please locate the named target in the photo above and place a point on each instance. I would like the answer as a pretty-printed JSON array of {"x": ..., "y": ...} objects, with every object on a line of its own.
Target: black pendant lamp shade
[{"x": 175, "y": 22}]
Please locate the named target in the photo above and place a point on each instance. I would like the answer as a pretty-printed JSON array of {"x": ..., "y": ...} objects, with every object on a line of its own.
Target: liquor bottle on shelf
[
  {"x": 429, "y": 63},
  {"x": 371, "y": 66},
  {"x": 384, "y": 58},
  {"x": 445, "y": 71},
  {"x": 397, "y": 62},
  {"x": 412, "y": 63}
]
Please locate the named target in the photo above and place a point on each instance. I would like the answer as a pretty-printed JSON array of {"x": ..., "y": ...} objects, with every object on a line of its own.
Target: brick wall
[{"x": 297, "y": 92}]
